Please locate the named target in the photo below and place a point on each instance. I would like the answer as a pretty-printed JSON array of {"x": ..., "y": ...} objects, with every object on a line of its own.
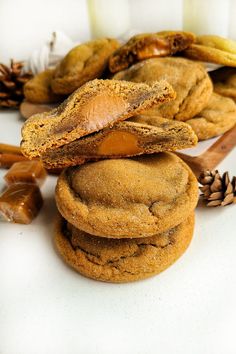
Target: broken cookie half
[
  {"x": 96, "y": 105},
  {"x": 142, "y": 135},
  {"x": 149, "y": 45}
]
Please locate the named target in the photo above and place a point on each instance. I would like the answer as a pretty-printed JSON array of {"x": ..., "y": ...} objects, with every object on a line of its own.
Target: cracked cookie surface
[
  {"x": 189, "y": 79},
  {"x": 213, "y": 49},
  {"x": 132, "y": 197},
  {"x": 122, "y": 260},
  {"x": 85, "y": 62},
  {"x": 216, "y": 118}
]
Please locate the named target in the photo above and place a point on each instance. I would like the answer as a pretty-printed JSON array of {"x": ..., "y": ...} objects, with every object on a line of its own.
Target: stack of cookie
[
  {"x": 208, "y": 106},
  {"x": 123, "y": 217}
]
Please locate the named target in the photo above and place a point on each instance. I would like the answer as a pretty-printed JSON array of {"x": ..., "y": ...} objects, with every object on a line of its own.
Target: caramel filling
[
  {"x": 102, "y": 109},
  {"x": 156, "y": 47},
  {"x": 97, "y": 112},
  {"x": 119, "y": 143}
]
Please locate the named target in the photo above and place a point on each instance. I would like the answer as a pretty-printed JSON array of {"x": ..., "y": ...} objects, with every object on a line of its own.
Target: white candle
[
  {"x": 156, "y": 15},
  {"x": 232, "y": 20},
  {"x": 207, "y": 16},
  {"x": 109, "y": 18}
]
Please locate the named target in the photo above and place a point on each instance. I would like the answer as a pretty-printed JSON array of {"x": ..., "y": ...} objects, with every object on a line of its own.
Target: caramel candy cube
[
  {"x": 26, "y": 172},
  {"x": 20, "y": 203}
]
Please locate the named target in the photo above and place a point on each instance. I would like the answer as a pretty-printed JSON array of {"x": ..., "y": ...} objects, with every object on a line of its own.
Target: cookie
[
  {"x": 96, "y": 105},
  {"x": 149, "y": 45},
  {"x": 119, "y": 261},
  {"x": 28, "y": 109},
  {"x": 217, "y": 118},
  {"x": 189, "y": 79},
  {"x": 83, "y": 63},
  {"x": 38, "y": 89},
  {"x": 132, "y": 197},
  {"x": 143, "y": 135},
  {"x": 224, "y": 80},
  {"x": 213, "y": 49}
]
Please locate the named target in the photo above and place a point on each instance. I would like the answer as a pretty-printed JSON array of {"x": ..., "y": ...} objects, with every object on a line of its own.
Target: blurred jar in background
[
  {"x": 156, "y": 15},
  {"x": 232, "y": 20},
  {"x": 109, "y": 18},
  {"x": 207, "y": 16},
  {"x": 117, "y": 18}
]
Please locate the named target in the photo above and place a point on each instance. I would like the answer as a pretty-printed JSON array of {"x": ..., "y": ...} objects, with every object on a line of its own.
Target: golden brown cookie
[
  {"x": 149, "y": 45},
  {"x": 142, "y": 135},
  {"x": 133, "y": 197},
  {"x": 217, "y": 118},
  {"x": 38, "y": 89},
  {"x": 224, "y": 80},
  {"x": 119, "y": 261},
  {"x": 213, "y": 49},
  {"x": 85, "y": 62},
  {"x": 96, "y": 105},
  {"x": 189, "y": 79}
]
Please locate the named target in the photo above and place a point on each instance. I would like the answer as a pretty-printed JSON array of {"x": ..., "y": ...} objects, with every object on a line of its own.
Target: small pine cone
[
  {"x": 12, "y": 80},
  {"x": 217, "y": 190}
]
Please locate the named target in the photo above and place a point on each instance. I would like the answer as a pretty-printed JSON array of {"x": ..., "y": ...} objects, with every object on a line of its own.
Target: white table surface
[{"x": 47, "y": 308}]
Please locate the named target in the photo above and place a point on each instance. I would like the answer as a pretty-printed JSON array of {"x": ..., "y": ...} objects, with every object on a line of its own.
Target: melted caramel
[
  {"x": 119, "y": 143},
  {"x": 102, "y": 109}
]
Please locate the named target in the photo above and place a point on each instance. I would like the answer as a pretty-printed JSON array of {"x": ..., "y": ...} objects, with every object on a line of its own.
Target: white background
[{"x": 47, "y": 308}]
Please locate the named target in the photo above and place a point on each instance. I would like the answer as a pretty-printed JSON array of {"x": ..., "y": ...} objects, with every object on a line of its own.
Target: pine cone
[
  {"x": 217, "y": 190},
  {"x": 12, "y": 80}
]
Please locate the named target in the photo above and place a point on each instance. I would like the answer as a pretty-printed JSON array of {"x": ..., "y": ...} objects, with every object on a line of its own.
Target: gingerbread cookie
[
  {"x": 96, "y": 105},
  {"x": 38, "y": 89},
  {"x": 142, "y": 135},
  {"x": 213, "y": 49},
  {"x": 189, "y": 79},
  {"x": 114, "y": 260},
  {"x": 224, "y": 80},
  {"x": 218, "y": 117},
  {"x": 85, "y": 62},
  {"x": 149, "y": 45},
  {"x": 132, "y": 197}
]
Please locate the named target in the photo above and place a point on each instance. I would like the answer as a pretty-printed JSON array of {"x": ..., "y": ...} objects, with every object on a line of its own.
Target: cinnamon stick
[
  {"x": 10, "y": 149},
  {"x": 7, "y": 160},
  {"x": 10, "y": 154}
]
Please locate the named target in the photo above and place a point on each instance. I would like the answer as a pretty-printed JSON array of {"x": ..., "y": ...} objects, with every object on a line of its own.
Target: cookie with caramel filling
[
  {"x": 38, "y": 89},
  {"x": 96, "y": 105},
  {"x": 85, "y": 62},
  {"x": 149, "y": 45},
  {"x": 189, "y": 79},
  {"x": 125, "y": 260},
  {"x": 142, "y": 135},
  {"x": 125, "y": 198}
]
